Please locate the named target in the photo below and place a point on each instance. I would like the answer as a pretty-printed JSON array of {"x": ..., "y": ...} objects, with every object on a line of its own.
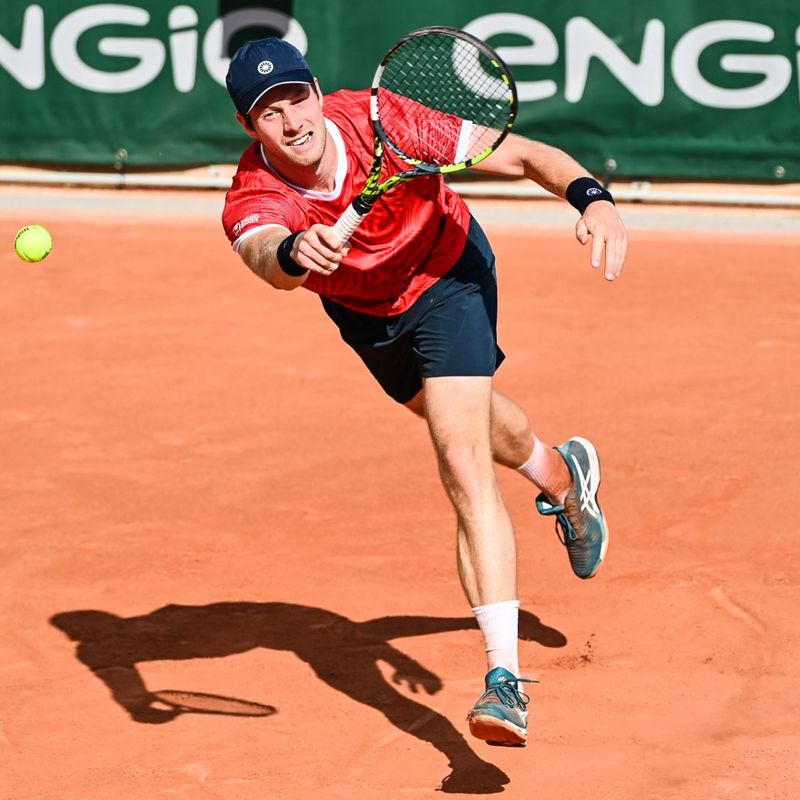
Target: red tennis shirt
[{"x": 414, "y": 234}]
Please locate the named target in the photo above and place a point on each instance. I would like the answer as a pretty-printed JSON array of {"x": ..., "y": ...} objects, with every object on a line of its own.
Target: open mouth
[{"x": 304, "y": 139}]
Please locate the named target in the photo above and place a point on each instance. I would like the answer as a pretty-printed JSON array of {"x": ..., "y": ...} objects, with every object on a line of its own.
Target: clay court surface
[{"x": 203, "y": 493}]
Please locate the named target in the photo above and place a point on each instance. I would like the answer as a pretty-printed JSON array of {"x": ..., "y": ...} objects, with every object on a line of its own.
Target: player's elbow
[{"x": 279, "y": 280}]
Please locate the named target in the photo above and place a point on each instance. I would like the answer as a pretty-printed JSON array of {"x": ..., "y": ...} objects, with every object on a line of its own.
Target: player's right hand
[{"x": 319, "y": 249}]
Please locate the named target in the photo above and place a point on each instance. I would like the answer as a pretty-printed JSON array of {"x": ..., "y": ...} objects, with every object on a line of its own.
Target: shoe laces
[
  {"x": 508, "y": 692},
  {"x": 565, "y": 530}
]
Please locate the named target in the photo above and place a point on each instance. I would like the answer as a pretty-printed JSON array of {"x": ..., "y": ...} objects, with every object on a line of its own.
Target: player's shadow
[{"x": 342, "y": 652}]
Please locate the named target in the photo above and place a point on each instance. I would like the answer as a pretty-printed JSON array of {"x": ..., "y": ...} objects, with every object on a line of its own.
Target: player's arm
[
  {"x": 518, "y": 157},
  {"x": 555, "y": 171},
  {"x": 284, "y": 259}
]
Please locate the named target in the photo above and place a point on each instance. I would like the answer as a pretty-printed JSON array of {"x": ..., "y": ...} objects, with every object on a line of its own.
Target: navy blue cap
[{"x": 261, "y": 65}]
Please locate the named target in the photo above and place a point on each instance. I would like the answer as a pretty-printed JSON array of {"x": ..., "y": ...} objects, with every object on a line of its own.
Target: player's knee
[{"x": 465, "y": 471}]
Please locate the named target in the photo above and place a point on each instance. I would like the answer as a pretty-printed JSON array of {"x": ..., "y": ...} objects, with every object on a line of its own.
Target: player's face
[{"x": 288, "y": 122}]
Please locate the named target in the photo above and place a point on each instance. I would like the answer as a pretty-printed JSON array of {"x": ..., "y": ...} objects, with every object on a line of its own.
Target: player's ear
[
  {"x": 245, "y": 122},
  {"x": 318, "y": 91}
]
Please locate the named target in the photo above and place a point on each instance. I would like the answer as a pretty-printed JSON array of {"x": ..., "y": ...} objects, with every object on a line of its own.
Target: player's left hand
[{"x": 601, "y": 223}]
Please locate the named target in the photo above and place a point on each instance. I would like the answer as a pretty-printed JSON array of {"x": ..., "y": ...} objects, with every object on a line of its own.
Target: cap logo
[{"x": 265, "y": 67}]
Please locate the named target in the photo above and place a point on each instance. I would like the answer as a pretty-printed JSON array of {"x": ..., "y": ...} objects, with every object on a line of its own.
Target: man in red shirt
[{"x": 414, "y": 293}]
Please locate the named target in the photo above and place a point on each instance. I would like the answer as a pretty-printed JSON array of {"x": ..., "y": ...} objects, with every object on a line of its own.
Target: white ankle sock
[
  {"x": 543, "y": 468},
  {"x": 499, "y": 624}
]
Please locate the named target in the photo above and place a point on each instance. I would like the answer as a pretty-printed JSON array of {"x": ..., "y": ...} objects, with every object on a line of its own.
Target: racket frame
[{"x": 374, "y": 187}]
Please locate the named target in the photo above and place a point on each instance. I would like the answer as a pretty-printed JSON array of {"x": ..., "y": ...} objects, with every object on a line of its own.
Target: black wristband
[
  {"x": 285, "y": 260},
  {"x": 583, "y": 191}
]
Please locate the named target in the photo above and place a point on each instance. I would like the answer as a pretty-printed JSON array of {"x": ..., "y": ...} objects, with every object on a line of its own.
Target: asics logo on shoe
[{"x": 588, "y": 492}]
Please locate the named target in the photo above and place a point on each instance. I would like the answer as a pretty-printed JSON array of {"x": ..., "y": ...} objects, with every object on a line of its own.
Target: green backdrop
[{"x": 685, "y": 89}]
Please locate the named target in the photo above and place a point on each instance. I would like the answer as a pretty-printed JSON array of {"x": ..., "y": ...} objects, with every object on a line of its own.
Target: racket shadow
[
  {"x": 343, "y": 653},
  {"x": 204, "y": 703}
]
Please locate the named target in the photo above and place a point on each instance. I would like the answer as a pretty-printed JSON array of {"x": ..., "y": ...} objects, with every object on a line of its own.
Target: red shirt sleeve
[{"x": 257, "y": 200}]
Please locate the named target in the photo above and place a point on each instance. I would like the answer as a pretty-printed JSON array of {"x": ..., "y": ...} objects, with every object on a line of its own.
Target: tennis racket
[{"x": 443, "y": 101}]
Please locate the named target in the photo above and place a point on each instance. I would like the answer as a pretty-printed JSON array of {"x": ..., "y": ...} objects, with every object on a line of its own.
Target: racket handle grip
[{"x": 347, "y": 223}]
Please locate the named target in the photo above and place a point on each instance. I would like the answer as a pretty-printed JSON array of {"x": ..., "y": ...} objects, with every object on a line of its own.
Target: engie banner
[{"x": 685, "y": 89}]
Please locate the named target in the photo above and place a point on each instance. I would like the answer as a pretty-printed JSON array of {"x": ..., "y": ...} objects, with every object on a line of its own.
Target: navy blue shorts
[{"x": 451, "y": 329}]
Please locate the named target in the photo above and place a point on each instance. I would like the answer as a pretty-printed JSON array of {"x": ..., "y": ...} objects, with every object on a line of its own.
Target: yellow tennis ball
[{"x": 33, "y": 243}]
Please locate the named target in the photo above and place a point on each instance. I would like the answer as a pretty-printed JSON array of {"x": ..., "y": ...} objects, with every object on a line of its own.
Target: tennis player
[{"x": 414, "y": 293}]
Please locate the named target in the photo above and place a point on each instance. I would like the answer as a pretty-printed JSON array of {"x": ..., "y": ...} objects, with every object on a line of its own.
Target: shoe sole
[
  {"x": 594, "y": 472},
  {"x": 496, "y": 732}
]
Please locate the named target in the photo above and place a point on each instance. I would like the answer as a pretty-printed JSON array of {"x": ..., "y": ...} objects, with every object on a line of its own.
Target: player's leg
[
  {"x": 456, "y": 346},
  {"x": 458, "y": 410},
  {"x": 567, "y": 476},
  {"x": 450, "y": 331}
]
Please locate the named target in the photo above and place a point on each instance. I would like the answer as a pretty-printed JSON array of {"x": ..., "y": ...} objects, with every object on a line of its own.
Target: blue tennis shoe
[
  {"x": 580, "y": 523},
  {"x": 500, "y": 716}
]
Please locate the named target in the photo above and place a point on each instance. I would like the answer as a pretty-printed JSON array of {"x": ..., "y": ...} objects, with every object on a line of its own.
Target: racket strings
[{"x": 442, "y": 100}]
